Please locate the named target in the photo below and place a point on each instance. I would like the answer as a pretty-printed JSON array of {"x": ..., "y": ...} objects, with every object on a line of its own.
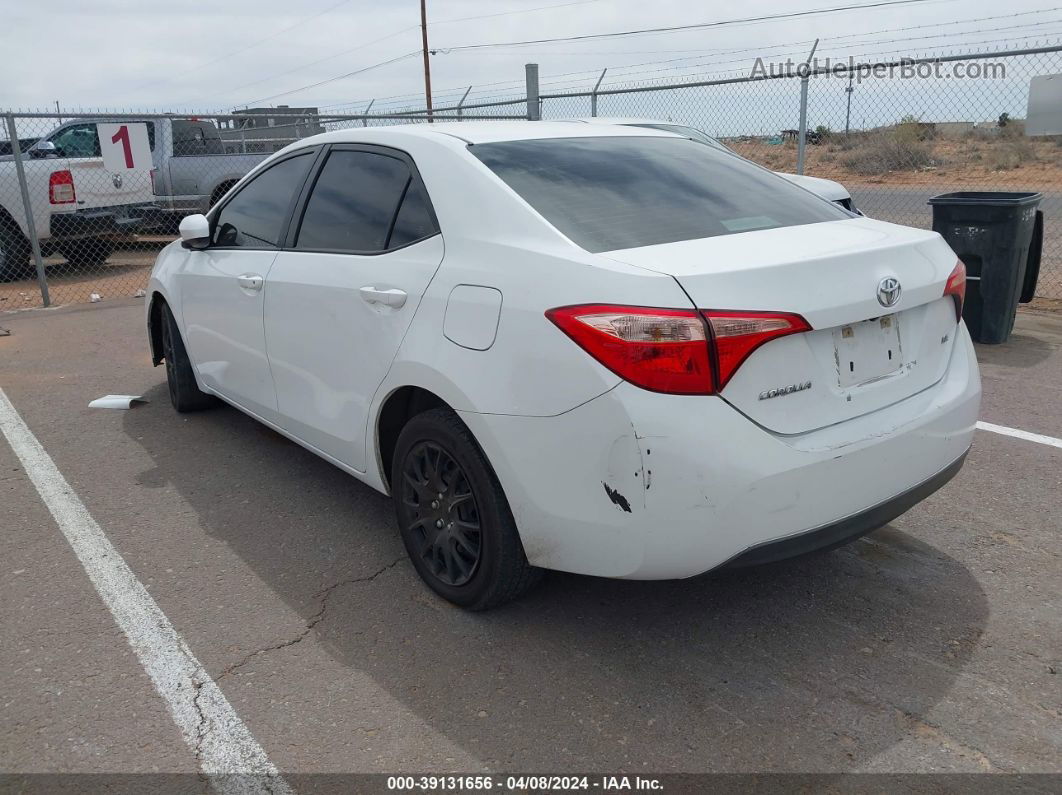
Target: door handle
[
  {"x": 250, "y": 281},
  {"x": 392, "y": 298}
]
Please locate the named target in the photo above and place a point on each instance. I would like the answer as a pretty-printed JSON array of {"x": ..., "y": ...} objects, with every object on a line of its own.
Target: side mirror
[
  {"x": 195, "y": 232},
  {"x": 43, "y": 149}
]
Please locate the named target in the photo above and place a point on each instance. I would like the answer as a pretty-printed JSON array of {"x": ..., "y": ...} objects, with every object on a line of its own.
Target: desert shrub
[
  {"x": 1011, "y": 153},
  {"x": 1014, "y": 128},
  {"x": 895, "y": 151}
]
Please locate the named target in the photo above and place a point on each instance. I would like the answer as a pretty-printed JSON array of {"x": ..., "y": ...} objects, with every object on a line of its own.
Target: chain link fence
[
  {"x": 893, "y": 134},
  {"x": 87, "y": 201}
]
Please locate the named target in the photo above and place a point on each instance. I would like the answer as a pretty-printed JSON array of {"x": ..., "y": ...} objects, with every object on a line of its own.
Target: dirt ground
[{"x": 984, "y": 164}]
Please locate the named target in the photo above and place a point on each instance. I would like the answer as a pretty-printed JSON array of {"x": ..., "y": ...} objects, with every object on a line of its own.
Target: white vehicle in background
[
  {"x": 79, "y": 208},
  {"x": 600, "y": 349},
  {"x": 826, "y": 188}
]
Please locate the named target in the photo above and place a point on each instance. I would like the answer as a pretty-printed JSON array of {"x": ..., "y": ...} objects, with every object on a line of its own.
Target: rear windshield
[{"x": 611, "y": 193}]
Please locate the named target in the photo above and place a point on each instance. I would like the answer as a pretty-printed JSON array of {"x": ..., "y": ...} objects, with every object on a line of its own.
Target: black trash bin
[{"x": 994, "y": 235}]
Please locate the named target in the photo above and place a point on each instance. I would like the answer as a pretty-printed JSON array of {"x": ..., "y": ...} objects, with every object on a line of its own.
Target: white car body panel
[
  {"x": 826, "y": 188},
  {"x": 601, "y": 476},
  {"x": 315, "y": 318},
  {"x": 223, "y": 325}
]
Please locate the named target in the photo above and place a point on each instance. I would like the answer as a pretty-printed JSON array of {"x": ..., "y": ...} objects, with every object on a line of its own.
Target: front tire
[
  {"x": 453, "y": 516},
  {"x": 185, "y": 394}
]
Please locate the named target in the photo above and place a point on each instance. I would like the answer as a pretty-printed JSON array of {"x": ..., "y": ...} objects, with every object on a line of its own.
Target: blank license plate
[{"x": 868, "y": 351}]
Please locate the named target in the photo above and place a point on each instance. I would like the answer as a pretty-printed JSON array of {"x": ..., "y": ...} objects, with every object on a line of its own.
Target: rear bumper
[
  {"x": 848, "y": 529},
  {"x": 646, "y": 486},
  {"x": 116, "y": 221}
]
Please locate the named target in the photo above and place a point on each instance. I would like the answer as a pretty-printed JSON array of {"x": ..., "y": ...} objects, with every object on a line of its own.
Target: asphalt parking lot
[{"x": 933, "y": 645}]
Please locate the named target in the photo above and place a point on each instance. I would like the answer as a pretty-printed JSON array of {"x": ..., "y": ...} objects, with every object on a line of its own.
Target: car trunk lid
[{"x": 860, "y": 356}]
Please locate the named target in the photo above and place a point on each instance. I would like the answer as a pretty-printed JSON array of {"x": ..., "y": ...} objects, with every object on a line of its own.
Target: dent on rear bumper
[{"x": 647, "y": 486}]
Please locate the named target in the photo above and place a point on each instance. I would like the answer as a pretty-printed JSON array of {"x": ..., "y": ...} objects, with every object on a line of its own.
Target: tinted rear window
[{"x": 612, "y": 193}]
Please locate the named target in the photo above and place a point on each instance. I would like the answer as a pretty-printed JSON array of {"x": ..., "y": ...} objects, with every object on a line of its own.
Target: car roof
[
  {"x": 481, "y": 132},
  {"x": 626, "y": 120}
]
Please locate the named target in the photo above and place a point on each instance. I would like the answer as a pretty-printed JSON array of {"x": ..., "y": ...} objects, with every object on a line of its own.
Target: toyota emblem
[
  {"x": 889, "y": 291},
  {"x": 117, "y": 180}
]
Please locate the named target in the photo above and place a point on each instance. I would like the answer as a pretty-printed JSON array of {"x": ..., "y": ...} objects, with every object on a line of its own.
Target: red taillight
[
  {"x": 956, "y": 287},
  {"x": 679, "y": 351},
  {"x": 61, "y": 188},
  {"x": 663, "y": 350},
  {"x": 735, "y": 335}
]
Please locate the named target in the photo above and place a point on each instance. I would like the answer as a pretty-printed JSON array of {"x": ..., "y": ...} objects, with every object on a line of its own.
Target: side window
[
  {"x": 353, "y": 202},
  {"x": 254, "y": 217},
  {"x": 77, "y": 140},
  {"x": 414, "y": 220}
]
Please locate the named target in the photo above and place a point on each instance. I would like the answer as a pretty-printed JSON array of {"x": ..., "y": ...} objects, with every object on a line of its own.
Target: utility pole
[
  {"x": 848, "y": 110},
  {"x": 427, "y": 65}
]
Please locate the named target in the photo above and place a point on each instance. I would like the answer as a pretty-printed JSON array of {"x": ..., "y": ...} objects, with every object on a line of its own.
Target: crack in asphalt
[
  {"x": 201, "y": 730},
  {"x": 311, "y": 623}
]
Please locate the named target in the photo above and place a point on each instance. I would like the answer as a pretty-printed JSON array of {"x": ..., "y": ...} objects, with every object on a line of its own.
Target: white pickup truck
[{"x": 79, "y": 208}]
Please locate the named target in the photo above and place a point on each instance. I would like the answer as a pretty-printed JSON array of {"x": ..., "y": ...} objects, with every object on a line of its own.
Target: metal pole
[
  {"x": 534, "y": 107},
  {"x": 427, "y": 66},
  {"x": 365, "y": 122},
  {"x": 460, "y": 110},
  {"x": 848, "y": 110},
  {"x": 31, "y": 228},
  {"x": 593, "y": 94},
  {"x": 802, "y": 133}
]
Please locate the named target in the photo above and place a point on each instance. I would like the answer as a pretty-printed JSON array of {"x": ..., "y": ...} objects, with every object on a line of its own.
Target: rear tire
[
  {"x": 185, "y": 394},
  {"x": 82, "y": 253},
  {"x": 453, "y": 516},
  {"x": 15, "y": 262}
]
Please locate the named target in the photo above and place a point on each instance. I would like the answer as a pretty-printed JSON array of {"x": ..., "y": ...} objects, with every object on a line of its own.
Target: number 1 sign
[{"x": 125, "y": 146}]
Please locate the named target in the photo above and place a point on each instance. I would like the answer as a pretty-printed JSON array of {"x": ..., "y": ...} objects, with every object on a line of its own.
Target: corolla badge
[
  {"x": 785, "y": 390},
  {"x": 889, "y": 291}
]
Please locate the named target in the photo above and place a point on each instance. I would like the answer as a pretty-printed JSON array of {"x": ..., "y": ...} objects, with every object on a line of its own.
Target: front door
[
  {"x": 223, "y": 287},
  {"x": 341, "y": 296}
]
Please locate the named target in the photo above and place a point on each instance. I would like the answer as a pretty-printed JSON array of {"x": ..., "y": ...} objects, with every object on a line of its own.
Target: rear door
[
  {"x": 343, "y": 292},
  {"x": 94, "y": 185},
  {"x": 222, "y": 288}
]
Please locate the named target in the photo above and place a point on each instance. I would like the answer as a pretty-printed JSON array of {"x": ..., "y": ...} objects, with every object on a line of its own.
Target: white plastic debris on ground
[
  {"x": 95, "y": 298},
  {"x": 116, "y": 402}
]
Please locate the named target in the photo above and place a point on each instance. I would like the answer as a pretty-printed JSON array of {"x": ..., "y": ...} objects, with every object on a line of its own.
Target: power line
[
  {"x": 393, "y": 34},
  {"x": 252, "y": 45},
  {"x": 333, "y": 79},
  {"x": 678, "y": 28},
  {"x": 518, "y": 84}
]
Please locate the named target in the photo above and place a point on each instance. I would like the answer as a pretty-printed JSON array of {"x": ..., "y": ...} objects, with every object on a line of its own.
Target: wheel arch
[
  {"x": 154, "y": 326},
  {"x": 10, "y": 223},
  {"x": 397, "y": 409}
]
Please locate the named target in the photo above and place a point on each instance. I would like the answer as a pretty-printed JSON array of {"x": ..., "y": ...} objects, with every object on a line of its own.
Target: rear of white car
[{"x": 810, "y": 381}]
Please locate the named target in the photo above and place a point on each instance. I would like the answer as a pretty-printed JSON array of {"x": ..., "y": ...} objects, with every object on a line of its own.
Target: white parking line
[
  {"x": 1050, "y": 441},
  {"x": 221, "y": 742}
]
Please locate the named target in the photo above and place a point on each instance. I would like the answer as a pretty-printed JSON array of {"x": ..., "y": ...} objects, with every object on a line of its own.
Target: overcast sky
[{"x": 222, "y": 54}]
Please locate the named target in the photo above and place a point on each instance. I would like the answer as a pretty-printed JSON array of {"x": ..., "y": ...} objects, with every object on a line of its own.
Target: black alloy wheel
[{"x": 442, "y": 518}]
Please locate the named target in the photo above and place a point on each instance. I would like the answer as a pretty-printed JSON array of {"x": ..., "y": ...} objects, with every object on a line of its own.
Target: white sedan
[{"x": 604, "y": 350}]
